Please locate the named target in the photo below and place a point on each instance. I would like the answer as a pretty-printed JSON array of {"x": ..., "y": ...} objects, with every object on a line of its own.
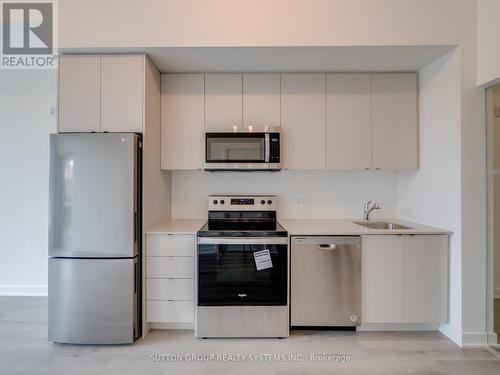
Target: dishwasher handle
[
  {"x": 327, "y": 242},
  {"x": 326, "y": 246}
]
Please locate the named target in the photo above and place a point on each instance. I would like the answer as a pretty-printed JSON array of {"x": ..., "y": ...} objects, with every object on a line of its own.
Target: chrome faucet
[{"x": 368, "y": 209}]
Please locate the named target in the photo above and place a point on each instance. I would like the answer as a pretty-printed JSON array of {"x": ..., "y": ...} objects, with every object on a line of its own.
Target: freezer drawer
[
  {"x": 325, "y": 281},
  {"x": 93, "y": 301}
]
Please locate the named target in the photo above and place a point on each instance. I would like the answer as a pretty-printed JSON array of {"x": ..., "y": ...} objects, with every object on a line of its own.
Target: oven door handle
[{"x": 243, "y": 240}]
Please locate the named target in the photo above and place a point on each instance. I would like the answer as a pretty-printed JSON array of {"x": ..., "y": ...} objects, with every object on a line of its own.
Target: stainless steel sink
[{"x": 380, "y": 225}]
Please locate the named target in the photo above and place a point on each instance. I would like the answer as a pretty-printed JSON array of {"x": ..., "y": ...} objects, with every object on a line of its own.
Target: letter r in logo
[{"x": 27, "y": 28}]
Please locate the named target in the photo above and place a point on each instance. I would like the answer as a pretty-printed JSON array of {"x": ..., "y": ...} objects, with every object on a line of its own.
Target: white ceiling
[{"x": 286, "y": 59}]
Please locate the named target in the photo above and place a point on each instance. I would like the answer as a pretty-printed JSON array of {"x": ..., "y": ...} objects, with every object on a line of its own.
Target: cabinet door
[
  {"x": 261, "y": 100},
  {"x": 349, "y": 116},
  {"x": 303, "y": 116},
  {"x": 382, "y": 279},
  {"x": 394, "y": 121},
  {"x": 426, "y": 278},
  {"x": 122, "y": 92},
  {"x": 223, "y": 101},
  {"x": 79, "y": 93},
  {"x": 182, "y": 119}
]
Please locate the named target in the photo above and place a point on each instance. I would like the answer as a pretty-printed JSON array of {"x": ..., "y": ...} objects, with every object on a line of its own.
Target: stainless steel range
[{"x": 242, "y": 269}]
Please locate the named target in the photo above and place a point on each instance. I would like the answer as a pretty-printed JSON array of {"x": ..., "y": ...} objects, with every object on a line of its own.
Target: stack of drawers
[{"x": 170, "y": 278}]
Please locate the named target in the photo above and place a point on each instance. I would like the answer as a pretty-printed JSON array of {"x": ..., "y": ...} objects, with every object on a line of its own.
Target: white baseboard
[
  {"x": 377, "y": 327},
  {"x": 468, "y": 339},
  {"x": 23, "y": 290},
  {"x": 474, "y": 339},
  {"x": 452, "y": 333}
]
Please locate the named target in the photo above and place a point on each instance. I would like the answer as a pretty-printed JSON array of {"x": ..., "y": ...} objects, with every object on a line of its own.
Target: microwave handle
[{"x": 267, "y": 150}]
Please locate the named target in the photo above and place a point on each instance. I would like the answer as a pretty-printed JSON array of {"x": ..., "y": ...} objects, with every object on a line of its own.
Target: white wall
[
  {"x": 488, "y": 41},
  {"x": 323, "y": 194},
  {"x": 432, "y": 195},
  {"x": 25, "y": 120}
]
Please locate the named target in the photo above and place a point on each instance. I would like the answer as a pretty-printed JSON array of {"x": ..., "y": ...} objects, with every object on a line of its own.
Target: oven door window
[
  {"x": 235, "y": 148},
  {"x": 227, "y": 275}
]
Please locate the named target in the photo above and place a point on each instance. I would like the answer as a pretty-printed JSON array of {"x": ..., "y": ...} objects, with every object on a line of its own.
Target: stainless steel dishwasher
[{"x": 325, "y": 281}]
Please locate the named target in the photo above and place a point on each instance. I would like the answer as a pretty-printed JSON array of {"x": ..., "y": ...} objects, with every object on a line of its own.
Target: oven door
[
  {"x": 239, "y": 151},
  {"x": 237, "y": 271}
]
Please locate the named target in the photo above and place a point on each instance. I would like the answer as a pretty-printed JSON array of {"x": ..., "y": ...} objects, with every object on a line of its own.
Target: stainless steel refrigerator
[{"x": 94, "y": 238}]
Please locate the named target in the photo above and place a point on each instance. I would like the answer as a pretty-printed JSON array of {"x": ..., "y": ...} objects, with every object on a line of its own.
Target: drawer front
[
  {"x": 170, "y": 289},
  {"x": 170, "y": 311},
  {"x": 170, "y": 245},
  {"x": 170, "y": 267}
]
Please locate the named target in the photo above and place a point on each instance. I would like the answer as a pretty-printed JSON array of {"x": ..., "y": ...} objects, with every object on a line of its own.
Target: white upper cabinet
[
  {"x": 394, "y": 121},
  {"x": 79, "y": 93},
  {"x": 348, "y": 124},
  {"x": 303, "y": 121},
  {"x": 261, "y": 100},
  {"x": 182, "y": 119},
  {"x": 223, "y": 101},
  {"x": 426, "y": 265},
  {"x": 122, "y": 91}
]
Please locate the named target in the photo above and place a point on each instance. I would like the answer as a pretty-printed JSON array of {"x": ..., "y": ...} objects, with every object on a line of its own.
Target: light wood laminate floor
[{"x": 24, "y": 349}]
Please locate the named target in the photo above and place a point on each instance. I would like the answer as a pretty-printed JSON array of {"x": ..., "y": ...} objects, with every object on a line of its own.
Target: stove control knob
[
  {"x": 269, "y": 201},
  {"x": 262, "y": 201},
  {"x": 215, "y": 201},
  {"x": 222, "y": 201}
]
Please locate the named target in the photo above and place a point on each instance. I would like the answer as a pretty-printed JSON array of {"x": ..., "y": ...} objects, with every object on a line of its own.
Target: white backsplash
[{"x": 302, "y": 194}]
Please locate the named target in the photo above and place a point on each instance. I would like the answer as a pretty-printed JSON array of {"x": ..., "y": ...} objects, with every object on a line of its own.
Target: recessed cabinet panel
[
  {"x": 122, "y": 92},
  {"x": 182, "y": 121},
  {"x": 223, "y": 101},
  {"x": 303, "y": 116},
  {"x": 348, "y": 126},
  {"x": 382, "y": 288},
  {"x": 261, "y": 100},
  {"x": 394, "y": 121},
  {"x": 79, "y": 93}
]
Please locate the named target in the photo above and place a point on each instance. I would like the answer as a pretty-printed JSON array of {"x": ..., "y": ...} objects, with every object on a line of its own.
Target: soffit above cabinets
[{"x": 285, "y": 59}]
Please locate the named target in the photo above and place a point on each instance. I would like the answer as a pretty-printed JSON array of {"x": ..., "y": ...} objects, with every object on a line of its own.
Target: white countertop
[
  {"x": 328, "y": 227},
  {"x": 306, "y": 227},
  {"x": 178, "y": 226}
]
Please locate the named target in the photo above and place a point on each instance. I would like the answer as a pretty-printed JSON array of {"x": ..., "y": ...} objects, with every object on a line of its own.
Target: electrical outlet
[
  {"x": 185, "y": 200},
  {"x": 298, "y": 201}
]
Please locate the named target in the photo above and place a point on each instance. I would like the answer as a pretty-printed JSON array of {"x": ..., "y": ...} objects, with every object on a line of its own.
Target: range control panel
[{"x": 242, "y": 203}]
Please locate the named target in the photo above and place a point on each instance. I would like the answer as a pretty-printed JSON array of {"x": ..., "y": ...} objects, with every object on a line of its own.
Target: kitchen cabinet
[
  {"x": 394, "y": 121},
  {"x": 170, "y": 278},
  {"x": 348, "y": 125},
  {"x": 426, "y": 264},
  {"x": 223, "y": 101},
  {"x": 182, "y": 121},
  {"x": 261, "y": 100},
  {"x": 303, "y": 121},
  {"x": 382, "y": 292},
  {"x": 122, "y": 91},
  {"x": 404, "y": 278},
  {"x": 101, "y": 93},
  {"x": 79, "y": 93}
]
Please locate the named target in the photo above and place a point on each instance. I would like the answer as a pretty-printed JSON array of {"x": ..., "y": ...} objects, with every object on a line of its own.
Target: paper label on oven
[{"x": 263, "y": 260}]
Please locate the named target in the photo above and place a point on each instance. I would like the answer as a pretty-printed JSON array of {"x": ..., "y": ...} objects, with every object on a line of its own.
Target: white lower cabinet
[
  {"x": 170, "y": 278},
  {"x": 170, "y": 311},
  {"x": 404, "y": 279}
]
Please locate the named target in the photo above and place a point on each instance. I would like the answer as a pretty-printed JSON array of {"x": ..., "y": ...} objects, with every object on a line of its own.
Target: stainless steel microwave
[{"x": 247, "y": 149}]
